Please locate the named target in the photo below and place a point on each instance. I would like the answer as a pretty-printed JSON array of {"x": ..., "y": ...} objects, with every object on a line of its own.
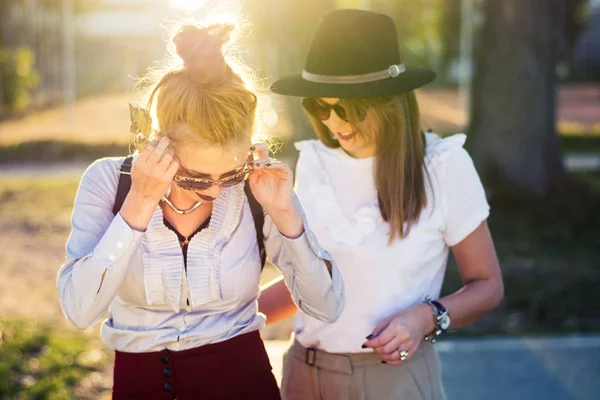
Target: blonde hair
[
  {"x": 202, "y": 99},
  {"x": 399, "y": 166}
]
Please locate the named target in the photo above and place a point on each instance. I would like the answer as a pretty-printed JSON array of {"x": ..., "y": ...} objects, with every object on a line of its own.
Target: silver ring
[{"x": 403, "y": 355}]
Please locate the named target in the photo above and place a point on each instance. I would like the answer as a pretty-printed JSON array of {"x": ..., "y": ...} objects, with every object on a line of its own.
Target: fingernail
[
  {"x": 383, "y": 362},
  {"x": 363, "y": 346},
  {"x": 370, "y": 336}
]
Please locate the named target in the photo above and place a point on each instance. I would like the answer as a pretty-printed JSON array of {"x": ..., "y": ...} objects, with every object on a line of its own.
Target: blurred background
[{"x": 521, "y": 77}]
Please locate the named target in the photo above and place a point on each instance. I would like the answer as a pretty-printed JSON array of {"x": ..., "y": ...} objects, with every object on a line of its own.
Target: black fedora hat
[{"x": 354, "y": 54}]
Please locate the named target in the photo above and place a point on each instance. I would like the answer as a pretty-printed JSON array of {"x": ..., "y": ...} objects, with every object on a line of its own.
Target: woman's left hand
[
  {"x": 272, "y": 186},
  {"x": 401, "y": 332}
]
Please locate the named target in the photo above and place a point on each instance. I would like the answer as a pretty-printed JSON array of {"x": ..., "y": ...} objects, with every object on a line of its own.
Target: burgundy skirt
[{"x": 238, "y": 368}]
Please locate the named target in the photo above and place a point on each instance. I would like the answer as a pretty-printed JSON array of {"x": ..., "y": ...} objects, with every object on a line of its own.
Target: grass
[
  {"x": 549, "y": 263},
  {"x": 40, "y": 151},
  {"x": 41, "y": 362},
  {"x": 583, "y": 143},
  {"x": 21, "y": 203}
]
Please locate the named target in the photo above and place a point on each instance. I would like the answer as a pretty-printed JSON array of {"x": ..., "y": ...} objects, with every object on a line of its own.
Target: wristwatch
[{"x": 441, "y": 318}]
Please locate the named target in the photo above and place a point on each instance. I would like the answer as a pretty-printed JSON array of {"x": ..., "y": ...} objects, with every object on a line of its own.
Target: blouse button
[
  {"x": 164, "y": 359},
  {"x": 112, "y": 257},
  {"x": 168, "y": 387},
  {"x": 119, "y": 245},
  {"x": 167, "y": 372}
]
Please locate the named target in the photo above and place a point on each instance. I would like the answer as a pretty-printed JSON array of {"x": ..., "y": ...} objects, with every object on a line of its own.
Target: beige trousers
[{"x": 310, "y": 374}]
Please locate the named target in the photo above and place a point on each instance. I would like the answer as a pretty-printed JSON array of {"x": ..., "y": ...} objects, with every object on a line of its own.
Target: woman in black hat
[{"x": 388, "y": 202}]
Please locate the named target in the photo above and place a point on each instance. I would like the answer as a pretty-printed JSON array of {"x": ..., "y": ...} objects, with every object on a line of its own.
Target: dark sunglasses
[
  {"x": 200, "y": 184},
  {"x": 322, "y": 111}
]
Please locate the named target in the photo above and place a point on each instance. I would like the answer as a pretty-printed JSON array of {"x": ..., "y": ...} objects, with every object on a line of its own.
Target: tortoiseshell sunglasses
[{"x": 200, "y": 184}]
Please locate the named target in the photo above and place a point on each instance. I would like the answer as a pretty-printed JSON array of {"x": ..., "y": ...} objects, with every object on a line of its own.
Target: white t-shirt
[{"x": 339, "y": 197}]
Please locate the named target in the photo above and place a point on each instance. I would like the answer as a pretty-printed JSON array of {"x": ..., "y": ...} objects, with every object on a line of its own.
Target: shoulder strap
[
  {"x": 124, "y": 184},
  {"x": 259, "y": 221},
  {"x": 257, "y": 211}
]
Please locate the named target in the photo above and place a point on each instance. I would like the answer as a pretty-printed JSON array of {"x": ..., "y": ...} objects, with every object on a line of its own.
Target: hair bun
[{"x": 201, "y": 49}]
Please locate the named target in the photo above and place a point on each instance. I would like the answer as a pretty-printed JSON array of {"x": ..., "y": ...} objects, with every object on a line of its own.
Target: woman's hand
[
  {"x": 151, "y": 175},
  {"x": 401, "y": 332},
  {"x": 272, "y": 185},
  {"x": 153, "y": 171}
]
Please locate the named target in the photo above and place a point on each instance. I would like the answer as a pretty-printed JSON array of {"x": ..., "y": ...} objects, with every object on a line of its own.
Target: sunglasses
[
  {"x": 322, "y": 111},
  {"x": 200, "y": 184}
]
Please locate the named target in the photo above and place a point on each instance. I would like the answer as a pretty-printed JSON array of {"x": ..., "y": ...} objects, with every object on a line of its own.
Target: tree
[
  {"x": 282, "y": 34},
  {"x": 512, "y": 136},
  {"x": 450, "y": 25}
]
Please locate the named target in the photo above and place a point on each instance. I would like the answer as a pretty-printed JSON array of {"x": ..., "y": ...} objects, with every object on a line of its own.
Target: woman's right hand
[
  {"x": 151, "y": 175},
  {"x": 153, "y": 171}
]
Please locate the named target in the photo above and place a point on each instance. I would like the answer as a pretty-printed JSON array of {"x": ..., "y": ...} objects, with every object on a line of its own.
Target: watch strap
[{"x": 438, "y": 310}]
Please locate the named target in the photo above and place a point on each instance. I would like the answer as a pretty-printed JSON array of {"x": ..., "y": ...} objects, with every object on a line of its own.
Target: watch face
[{"x": 445, "y": 322}]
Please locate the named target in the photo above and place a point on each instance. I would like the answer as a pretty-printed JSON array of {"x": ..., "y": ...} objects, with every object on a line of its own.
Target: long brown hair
[{"x": 399, "y": 166}]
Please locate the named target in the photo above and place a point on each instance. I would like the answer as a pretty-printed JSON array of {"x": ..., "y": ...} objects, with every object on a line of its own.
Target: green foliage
[
  {"x": 287, "y": 27},
  {"x": 18, "y": 77},
  {"x": 79, "y": 6},
  {"x": 291, "y": 25},
  {"x": 418, "y": 24},
  {"x": 39, "y": 363},
  {"x": 549, "y": 263}
]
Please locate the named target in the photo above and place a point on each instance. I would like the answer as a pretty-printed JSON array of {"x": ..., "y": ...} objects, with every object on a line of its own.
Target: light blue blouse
[{"x": 146, "y": 288}]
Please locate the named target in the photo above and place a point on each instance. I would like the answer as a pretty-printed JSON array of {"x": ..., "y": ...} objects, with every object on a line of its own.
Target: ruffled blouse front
[
  {"x": 340, "y": 199},
  {"x": 347, "y": 229}
]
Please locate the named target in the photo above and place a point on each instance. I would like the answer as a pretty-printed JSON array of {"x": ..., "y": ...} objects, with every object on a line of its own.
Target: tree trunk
[
  {"x": 283, "y": 33},
  {"x": 450, "y": 25},
  {"x": 512, "y": 137}
]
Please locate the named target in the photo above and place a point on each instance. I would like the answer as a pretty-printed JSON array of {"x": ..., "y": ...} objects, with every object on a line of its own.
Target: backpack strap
[
  {"x": 124, "y": 184},
  {"x": 259, "y": 221},
  {"x": 257, "y": 211}
]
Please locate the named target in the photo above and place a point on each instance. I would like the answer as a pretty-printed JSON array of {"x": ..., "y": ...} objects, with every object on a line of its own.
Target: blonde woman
[
  {"x": 389, "y": 203},
  {"x": 175, "y": 258}
]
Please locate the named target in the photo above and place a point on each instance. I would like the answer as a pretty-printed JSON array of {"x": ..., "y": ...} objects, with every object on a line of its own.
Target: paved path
[{"x": 560, "y": 368}]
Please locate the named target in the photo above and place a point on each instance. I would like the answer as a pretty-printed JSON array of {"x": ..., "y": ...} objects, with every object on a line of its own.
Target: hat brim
[{"x": 410, "y": 79}]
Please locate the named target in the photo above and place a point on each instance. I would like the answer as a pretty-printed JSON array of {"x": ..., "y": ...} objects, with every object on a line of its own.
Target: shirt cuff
[
  {"x": 306, "y": 245},
  {"x": 308, "y": 257}
]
